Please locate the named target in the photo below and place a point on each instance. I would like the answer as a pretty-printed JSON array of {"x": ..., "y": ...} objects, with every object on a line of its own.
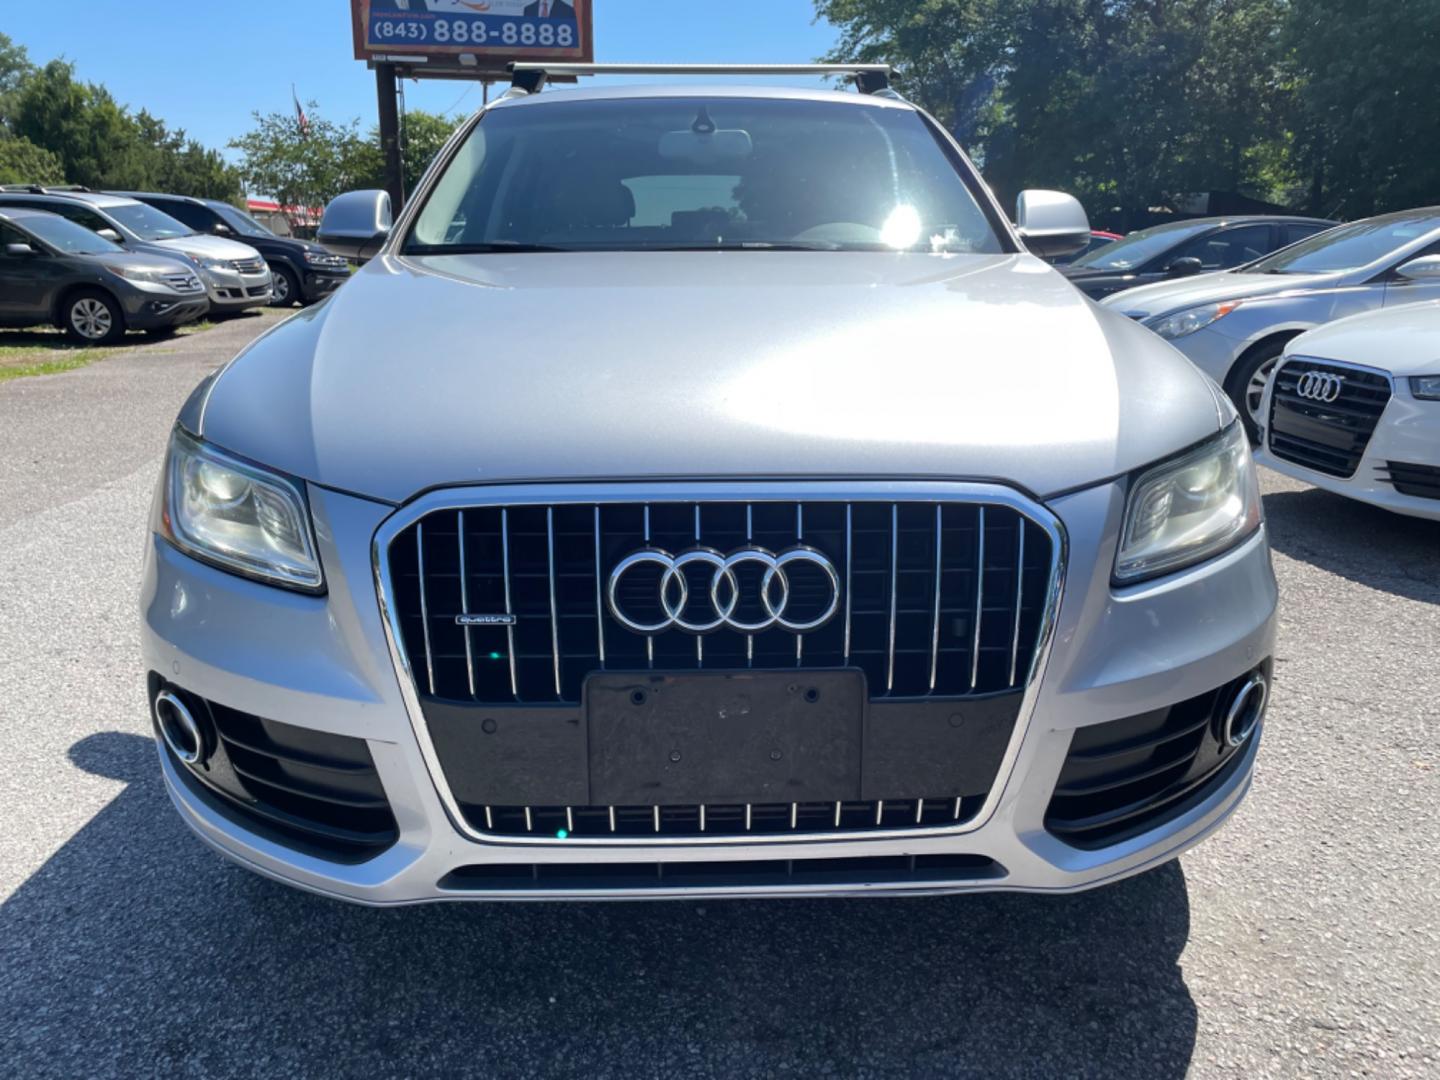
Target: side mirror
[
  {"x": 1051, "y": 223},
  {"x": 221, "y": 229},
  {"x": 356, "y": 224},
  {"x": 1189, "y": 266},
  {"x": 1425, "y": 268},
  {"x": 20, "y": 249},
  {"x": 111, "y": 235}
]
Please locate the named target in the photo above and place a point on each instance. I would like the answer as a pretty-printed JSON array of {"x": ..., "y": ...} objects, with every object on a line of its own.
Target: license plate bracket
[{"x": 724, "y": 737}]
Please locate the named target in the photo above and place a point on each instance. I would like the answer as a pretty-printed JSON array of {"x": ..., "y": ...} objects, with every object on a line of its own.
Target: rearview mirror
[
  {"x": 702, "y": 147},
  {"x": 20, "y": 249},
  {"x": 1189, "y": 266},
  {"x": 1051, "y": 223},
  {"x": 1425, "y": 268},
  {"x": 356, "y": 224},
  {"x": 111, "y": 235}
]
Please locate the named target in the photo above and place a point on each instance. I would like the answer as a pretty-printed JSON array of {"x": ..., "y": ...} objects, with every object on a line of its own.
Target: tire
[
  {"x": 285, "y": 289},
  {"x": 1246, "y": 382},
  {"x": 92, "y": 317}
]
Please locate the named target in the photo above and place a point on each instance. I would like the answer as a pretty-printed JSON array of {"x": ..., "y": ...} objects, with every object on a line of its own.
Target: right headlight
[
  {"x": 239, "y": 516},
  {"x": 1189, "y": 509},
  {"x": 1190, "y": 320}
]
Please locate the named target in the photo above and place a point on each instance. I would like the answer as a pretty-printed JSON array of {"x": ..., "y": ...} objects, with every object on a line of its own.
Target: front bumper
[
  {"x": 318, "y": 284},
  {"x": 1408, "y": 433},
  {"x": 323, "y": 663},
  {"x": 229, "y": 290},
  {"x": 153, "y": 310}
]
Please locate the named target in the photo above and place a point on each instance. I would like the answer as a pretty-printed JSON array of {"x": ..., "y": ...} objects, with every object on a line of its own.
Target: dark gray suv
[{"x": 54, "y": 271}]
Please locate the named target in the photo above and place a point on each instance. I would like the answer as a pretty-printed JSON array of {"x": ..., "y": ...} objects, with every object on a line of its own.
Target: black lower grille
[
  {"x": 313, "y": 789},
  {"x": 1123, "y": 777},
  {"x": 1421, "y": 481},
  {"x": 1329, "y": 436},
  {"x": 660, "y": 876}
]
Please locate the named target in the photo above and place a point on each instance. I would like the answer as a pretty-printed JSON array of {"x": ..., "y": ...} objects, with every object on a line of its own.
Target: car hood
[
  {"x": 147, "y": 262},
  {"x": 201, "y": 246},
  {"x": 599, "y": 366},
  {"x": 1402, "y": 340},
  {"x": 1166, "y": 296}
]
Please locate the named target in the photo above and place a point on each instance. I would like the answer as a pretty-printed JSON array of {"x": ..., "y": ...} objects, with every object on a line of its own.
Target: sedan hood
[
  {"x": 1401, "y": 340},
  {"x": 1166, "y": 296},
  {"x": 449, "y": 370},
  {"x": 147, "y": 262},
  {"x": 201, "y": 246}
]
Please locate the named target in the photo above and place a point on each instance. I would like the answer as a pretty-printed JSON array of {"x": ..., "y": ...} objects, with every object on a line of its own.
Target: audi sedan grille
[
  {"x": 1323, "y": 415},
  {"x": 521, "y": 603}
]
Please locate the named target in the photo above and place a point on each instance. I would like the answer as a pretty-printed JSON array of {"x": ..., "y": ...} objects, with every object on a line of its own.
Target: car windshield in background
[
  {"x": 662, "y": 174},
  {"x": 68, "y": 237},
  {"x": 1348, "y": 247},
  {"x": 148, "y": 223},
  {"x": 243, "y": 224},
  {"x": 1140, "y": 247}
]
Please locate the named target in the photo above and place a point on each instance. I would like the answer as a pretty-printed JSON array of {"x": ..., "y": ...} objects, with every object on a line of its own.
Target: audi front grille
[
  {"x": 501, "y": 614},
  {"x": 1323, "y": 414}
]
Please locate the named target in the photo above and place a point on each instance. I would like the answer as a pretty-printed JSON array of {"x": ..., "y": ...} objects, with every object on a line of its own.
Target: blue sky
[{"x": 199, "y": 65}]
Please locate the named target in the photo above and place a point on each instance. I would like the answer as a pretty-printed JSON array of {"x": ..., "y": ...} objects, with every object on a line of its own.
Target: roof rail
[
  {"x": 27, "y": 189},
  {"x": 530, "y": 77},
  {"x": 64, "y": 187}
]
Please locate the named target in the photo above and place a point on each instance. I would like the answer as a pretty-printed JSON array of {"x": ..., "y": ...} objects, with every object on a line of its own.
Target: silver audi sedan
[{"x": 706, "y": 492}]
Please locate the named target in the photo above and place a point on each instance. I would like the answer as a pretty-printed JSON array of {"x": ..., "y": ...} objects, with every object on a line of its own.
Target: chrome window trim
[{"x": 921, "y": 491}]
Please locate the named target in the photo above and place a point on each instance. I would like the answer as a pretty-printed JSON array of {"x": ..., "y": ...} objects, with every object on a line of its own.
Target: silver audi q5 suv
[{"x": 706, "y": 492}]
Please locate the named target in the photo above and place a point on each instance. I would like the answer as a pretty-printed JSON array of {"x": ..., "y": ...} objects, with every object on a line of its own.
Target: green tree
[
  {"x": 22, "y": 162},
  {"x": 423, "y": 134},
  {"x": 305, "y": 168},
  {"x": 1126, "y": 103},
  {"x": 1368, "y": 134}
]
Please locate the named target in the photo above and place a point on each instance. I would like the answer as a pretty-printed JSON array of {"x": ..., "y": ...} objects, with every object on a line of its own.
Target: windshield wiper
[
  {"x": 750, "y": 245},
  {"x": 490, "y": 248}
]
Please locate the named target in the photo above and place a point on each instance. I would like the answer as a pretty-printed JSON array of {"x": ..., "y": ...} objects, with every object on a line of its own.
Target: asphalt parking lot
[{"x": 1302, "y": 940}]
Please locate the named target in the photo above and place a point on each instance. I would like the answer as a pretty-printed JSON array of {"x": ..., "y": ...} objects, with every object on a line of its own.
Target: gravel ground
[{"x": 1302, "y": 940}]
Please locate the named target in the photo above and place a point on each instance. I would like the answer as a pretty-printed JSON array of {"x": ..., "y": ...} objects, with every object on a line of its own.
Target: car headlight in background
[
  {"x": 238, "y": 516},
  {"x": 1187, "y": 322},
  {"x": 324, "y": 258},
  {"x": 1425, "y": 387},
  {"x": 1189, "y": 509},
  {"x": 136, "y": 273}
]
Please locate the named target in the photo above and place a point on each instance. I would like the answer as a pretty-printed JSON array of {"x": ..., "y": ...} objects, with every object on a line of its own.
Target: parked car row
[
  {"x": 1329, "y": 348},
  {"x": 52, "y": 273}
]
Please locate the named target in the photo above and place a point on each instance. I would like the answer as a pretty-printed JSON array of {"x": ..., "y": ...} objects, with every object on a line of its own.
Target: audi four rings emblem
[
  {"x": 1320, "y": 386},
  {"x": 673, "y": 590}
]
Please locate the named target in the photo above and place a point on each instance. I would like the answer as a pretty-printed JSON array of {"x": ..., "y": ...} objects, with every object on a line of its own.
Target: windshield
[
  {"x": 684, "y": 173},
  {"x": 1140, "y": 247},
  {"x": 68, "y": 237},
  {"x": 242, "y": 223},
  {"x": 1348, "y": 247},
  {"x": 148, "y": 223}
]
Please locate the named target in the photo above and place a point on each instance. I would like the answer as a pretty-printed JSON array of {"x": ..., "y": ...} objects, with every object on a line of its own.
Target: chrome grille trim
[
  {"x": 248, "y": 266},
  {"x": 550, "y": 496},
  {"x": 979, "y": 598},
  {"x": 465, "y": 604}
]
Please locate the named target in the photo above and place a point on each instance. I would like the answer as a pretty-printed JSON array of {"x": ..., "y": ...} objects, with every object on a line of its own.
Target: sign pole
[{"x": 385, "y": 91}]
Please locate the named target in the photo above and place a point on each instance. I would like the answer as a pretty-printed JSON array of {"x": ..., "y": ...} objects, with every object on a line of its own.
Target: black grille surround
[
  {"x": 892, "y": 624},
  {"x": 308, "y": 789},
  {"x": 1329, "y": 437},
  {"x": 1125, "y": 776},
  {"x": 1408, "y": 478}
]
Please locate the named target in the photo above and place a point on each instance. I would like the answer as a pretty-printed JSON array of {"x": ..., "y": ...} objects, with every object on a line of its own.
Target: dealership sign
[{"x": 472, "y": 35}]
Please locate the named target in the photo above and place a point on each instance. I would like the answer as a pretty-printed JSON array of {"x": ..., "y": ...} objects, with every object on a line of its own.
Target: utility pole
[{"x": 385, "y": 92}]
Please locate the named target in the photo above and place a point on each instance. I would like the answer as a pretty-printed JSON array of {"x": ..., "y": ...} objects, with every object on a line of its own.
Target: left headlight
[
  {"x": 1192, "y": 319},
  {"x": 1425, "y": 387},
  {"x": 239, "y": 516},
  {"x": 323, "y": 258},
  {"x": 1189, "y": 509}
]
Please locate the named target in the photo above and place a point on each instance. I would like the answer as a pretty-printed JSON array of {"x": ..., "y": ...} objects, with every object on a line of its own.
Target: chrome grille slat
[
  {"x": 894, "y": 592},
  {"x": 979, "y": 597},
  {"x": 599, "y": 602},
  {"x": 1019, "y": 598},
  {"x": 424, "y": 607},
  {"x": 465, "y": 601},
  {"x": 554, "y": 610},
  {"x": 509, "y": 604},
  {"x": 939, "y": 567}
]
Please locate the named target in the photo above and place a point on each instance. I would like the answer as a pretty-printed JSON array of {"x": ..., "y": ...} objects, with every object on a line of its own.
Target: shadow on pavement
[
  {"x": 135, "y": 950},
  {"x": 1370, "y": 546}
]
